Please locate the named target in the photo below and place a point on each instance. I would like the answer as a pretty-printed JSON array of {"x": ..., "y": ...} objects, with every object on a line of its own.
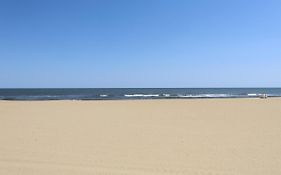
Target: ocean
[{"x": 134, "y": 93}]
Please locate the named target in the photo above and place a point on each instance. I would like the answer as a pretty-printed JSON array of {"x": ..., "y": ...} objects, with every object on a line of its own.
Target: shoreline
[{"x": 144, "y": 99}]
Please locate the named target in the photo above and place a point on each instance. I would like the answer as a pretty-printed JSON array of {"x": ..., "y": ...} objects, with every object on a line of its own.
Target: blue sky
[{"x": 144, "y": 43}]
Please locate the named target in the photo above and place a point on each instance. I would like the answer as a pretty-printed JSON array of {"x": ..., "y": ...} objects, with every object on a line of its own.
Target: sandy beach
[{"x": 135, "y": 137}]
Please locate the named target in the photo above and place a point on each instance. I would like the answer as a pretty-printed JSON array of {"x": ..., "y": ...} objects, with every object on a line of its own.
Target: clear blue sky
[{"x": 144, "y": 43}]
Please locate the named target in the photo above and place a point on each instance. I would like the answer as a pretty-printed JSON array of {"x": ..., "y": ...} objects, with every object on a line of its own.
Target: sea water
[{"x": 134, "y": 93}]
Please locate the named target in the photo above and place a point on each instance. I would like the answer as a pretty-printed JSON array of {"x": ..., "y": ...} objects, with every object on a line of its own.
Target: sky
[{"x": 140, "y": 43}]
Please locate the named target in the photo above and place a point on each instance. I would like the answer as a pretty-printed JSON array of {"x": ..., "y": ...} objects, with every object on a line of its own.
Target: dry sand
[{"x": 212, "y": 137}]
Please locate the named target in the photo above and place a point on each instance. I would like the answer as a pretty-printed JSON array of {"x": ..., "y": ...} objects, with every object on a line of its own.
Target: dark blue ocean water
[{"x": 134, "y": 93}]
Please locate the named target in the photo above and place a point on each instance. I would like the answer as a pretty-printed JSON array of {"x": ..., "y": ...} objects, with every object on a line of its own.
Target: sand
[{"x": 139, "y": 137}]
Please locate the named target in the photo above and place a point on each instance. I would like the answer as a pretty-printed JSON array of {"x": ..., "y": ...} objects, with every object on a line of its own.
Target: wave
[
  {"x": 166, "y": 95},
  {"x": 182, "y": 95},
  {"x": 253, "y": 95},
  {"x": 206, "y": 96},
  {"x": 141, "y": 95}
]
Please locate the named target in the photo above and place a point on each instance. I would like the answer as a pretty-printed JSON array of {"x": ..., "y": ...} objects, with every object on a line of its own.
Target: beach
[{"x": 139, "y": 137}]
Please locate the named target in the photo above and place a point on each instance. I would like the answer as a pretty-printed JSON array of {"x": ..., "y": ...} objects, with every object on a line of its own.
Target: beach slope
[{"x": 139, "y": 137}]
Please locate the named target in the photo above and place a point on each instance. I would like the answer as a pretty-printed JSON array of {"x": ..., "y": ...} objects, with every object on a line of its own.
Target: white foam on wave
[
  {"x": 103, "y": 95},
  {"x": 205, "y": 96},
  {"x": 252, "y": 95},
  {"x": 166, "y": 95},
  {"x": 141, "y": 95},
  {"x": 218, "y": 95}
]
